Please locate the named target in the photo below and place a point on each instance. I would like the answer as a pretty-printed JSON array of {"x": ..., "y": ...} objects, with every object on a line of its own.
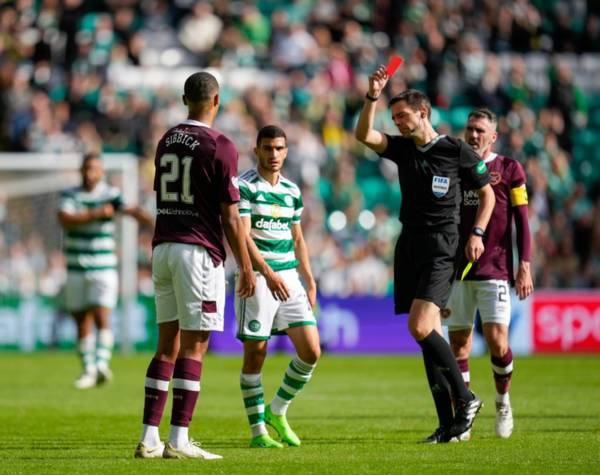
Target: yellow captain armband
[{"x": 518, "y": 196}]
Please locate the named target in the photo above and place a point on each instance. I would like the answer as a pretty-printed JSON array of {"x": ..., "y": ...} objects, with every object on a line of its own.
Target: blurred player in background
[
  {"x": 196, "y": 195},
  {"x": 430, "y": 169},
  {"x": 486, "y": 287},
  {"x": 87, "y": 215},
  {"x": 270, "y": 207}
]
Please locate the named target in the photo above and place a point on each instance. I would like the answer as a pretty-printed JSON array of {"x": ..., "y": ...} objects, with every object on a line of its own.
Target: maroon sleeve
[
  {"x": 523, "y": 233},
  {"x": 226, "y": 157},
  {"x": 155, "y": 187},
  {"x": 159, "y": 152},
  {"x": 518, "y": 178}
]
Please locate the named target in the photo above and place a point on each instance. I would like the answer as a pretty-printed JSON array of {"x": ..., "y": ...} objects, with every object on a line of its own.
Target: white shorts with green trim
[
  {"x": 490, "y": 297},
  {"x": 260, "y": 316},
  {"x": 86, "y": 289}
]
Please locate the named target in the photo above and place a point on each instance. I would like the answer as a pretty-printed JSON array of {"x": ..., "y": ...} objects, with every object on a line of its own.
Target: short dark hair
[
  {"x": 90, "y": 156},
  {"x": 270, "y": 132},
  {"x": 200, "y": 87},
  {"x": 484, "y": 113},
  {"x": 415, "y": 100}
]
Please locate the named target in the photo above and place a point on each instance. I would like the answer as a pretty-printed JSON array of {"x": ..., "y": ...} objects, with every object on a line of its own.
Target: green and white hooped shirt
[
  {"x": 91, "y": 246},
  {"x": 272, "y": 209}
]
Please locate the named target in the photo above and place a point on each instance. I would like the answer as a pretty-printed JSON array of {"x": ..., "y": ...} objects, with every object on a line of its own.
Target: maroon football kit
[
  {"x": 507, "y": 178},
  {"x": 196, "y": 171}
]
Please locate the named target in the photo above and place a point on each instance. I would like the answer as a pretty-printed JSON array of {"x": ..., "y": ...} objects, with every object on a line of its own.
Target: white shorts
[
  {"x": 490, "y": 297},
  {"x": 260, "y": 316},
  {"x": 99, "y": 288},
  {"x": 188, "y": 287}
]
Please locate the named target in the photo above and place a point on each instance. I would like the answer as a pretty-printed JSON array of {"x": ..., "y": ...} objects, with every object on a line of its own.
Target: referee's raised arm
[{"x": 365, "y": 132}]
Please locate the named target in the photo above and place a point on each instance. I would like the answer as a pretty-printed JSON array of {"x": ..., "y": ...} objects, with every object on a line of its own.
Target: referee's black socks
[
  {"x": 435, "y": 347},
  {"x": 440, "y": 391}
]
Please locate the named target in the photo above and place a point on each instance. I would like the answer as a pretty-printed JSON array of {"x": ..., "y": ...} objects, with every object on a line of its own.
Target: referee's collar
[{"x": 428, "y": 145}]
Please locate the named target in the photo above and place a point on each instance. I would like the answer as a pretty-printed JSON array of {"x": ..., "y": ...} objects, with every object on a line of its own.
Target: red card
[{"x": 395, "y": 62}]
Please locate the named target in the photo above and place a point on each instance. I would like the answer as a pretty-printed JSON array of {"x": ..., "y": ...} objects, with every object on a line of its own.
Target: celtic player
[
  {"x": 87, "y": 214},
  {"x": 270, "y": 207}
]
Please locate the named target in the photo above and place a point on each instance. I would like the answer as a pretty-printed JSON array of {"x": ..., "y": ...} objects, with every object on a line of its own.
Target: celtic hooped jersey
[
  {"x": 273, "y": 209},
  {"x": 91, "y": 246}
]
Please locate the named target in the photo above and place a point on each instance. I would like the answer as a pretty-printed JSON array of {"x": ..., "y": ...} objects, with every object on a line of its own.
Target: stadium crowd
[{"x": 76, "y": 75}]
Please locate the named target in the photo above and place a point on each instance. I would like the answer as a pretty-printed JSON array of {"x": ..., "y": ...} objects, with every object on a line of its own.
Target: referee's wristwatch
[{"x": 478, "y": 231}]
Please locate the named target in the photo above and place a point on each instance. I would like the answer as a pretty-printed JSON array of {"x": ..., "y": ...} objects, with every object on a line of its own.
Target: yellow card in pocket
[{"x": 467, "y": 269}]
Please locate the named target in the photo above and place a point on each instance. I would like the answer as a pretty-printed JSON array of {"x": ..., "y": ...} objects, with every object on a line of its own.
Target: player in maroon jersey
[
  {"x": 196, "y": 196},
  {"x": 486, "y": 285}
]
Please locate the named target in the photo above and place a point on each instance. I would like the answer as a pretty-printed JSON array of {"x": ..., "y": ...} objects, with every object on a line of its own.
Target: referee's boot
[
  {"x": 465, "y": 416},
  {"x": 439, "y": 436},
  {"x": 442, "y": 436}
]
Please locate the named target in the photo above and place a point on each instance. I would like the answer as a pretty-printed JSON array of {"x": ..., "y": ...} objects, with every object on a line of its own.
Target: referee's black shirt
[{"x": 430, "y": 178}]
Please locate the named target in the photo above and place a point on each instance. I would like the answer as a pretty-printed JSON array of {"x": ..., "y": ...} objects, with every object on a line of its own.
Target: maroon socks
[{"x": 156, "y": 389}]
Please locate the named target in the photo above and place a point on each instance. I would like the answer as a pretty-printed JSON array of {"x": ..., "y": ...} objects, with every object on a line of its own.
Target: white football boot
[
  {"x": 191, "y": 450},
  {"x": 142, "y": 451},
  {"x": 504, "y": 420}
]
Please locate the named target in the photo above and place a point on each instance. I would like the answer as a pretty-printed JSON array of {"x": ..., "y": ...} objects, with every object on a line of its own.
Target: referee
[{"x": 430, "y": 169}]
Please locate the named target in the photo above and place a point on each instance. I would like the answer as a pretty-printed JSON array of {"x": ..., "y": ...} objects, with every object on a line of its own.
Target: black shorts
[{"x": 424, "y": 267}]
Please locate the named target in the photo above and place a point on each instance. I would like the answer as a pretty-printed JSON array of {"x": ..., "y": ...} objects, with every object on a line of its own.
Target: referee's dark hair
[
  {"x": 270, "y": 132},
  {"x": 200, "y": 87},
  {"x": 484, "y": 113},
  {"x": 415, "y": 99}
]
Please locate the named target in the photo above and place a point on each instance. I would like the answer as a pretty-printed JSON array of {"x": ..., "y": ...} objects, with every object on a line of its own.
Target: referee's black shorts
[{"x": 424, "y": 267}]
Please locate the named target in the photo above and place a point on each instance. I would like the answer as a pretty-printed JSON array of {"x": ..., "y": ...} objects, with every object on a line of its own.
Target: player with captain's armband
[{"x": 485, "y": 284}]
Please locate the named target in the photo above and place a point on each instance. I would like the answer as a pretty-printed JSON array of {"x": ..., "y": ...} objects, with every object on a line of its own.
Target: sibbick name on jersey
[{"x": 184, "y": 139}]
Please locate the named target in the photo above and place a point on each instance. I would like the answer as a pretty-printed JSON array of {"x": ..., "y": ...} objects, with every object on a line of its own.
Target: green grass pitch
[{"x": 358, "y": 415}]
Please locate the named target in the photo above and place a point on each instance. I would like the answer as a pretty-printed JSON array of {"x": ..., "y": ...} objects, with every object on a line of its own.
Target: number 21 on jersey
[{"x": 178, "y": 172}]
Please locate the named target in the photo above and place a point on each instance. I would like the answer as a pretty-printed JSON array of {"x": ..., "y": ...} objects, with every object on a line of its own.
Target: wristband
[
  {"x": 371, "y": 98},
  {"x": 478, "y": 231}
]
